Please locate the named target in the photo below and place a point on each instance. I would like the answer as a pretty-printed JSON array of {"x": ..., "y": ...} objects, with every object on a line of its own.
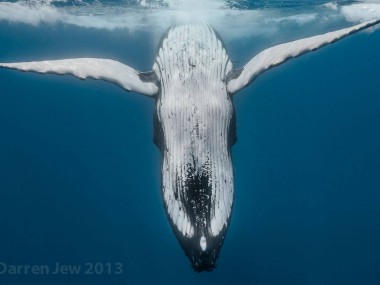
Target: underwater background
[{"x": 80, "y": 175}]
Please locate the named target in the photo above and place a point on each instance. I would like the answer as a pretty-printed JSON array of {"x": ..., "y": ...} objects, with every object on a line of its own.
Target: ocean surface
[{"x": 80, "y": 175}]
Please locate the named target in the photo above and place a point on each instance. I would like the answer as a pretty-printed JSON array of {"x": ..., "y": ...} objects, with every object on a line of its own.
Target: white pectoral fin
[
  {"x": 96, "y": 68},
  {"x": 277, "y": 55}
]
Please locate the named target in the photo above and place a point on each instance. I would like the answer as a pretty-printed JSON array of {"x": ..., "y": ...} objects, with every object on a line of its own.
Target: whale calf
[{"x": 192, "y": 81}]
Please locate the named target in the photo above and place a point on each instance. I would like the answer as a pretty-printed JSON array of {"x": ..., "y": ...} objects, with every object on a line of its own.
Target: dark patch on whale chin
[
  {"x": 197, "y": 199},
  {"x": 204, "y": 261}
]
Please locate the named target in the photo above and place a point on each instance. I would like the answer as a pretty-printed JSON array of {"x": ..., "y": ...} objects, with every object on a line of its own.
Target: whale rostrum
[{"x": 193, "y": 82}]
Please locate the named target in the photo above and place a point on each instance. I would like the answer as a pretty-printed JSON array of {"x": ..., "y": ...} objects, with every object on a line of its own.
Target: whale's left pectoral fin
[
  {"x": 271, "y": 57},
  {"x": 95, "y": 68}
]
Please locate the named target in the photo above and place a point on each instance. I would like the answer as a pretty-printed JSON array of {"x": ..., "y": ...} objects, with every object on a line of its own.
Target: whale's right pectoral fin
[
  {"x": 96, "y": 68},
  {"x": 271, "y": 57}
]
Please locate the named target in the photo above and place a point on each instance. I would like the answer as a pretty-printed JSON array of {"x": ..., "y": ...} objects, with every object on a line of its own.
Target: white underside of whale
[{"x": 195, "y": 110}]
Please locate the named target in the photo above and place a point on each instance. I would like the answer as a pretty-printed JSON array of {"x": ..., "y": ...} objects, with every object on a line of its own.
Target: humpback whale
[{"x": 193, "y": 82}]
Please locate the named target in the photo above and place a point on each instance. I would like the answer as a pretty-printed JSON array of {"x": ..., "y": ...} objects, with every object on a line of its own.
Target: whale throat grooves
[{"x": 195, "y": 129}]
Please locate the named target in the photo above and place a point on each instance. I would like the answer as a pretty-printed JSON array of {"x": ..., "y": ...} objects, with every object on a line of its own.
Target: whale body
[
  {"x": 193, "y": 83},
  {"x": 195, "y": 129}
]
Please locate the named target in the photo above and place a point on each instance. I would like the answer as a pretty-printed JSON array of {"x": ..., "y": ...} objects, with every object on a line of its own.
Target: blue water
[{"x": 80, "y": 175}]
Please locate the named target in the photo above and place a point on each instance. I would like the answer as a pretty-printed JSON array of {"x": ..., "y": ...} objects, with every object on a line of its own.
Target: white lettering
[{"x": 3, "y": 268}]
